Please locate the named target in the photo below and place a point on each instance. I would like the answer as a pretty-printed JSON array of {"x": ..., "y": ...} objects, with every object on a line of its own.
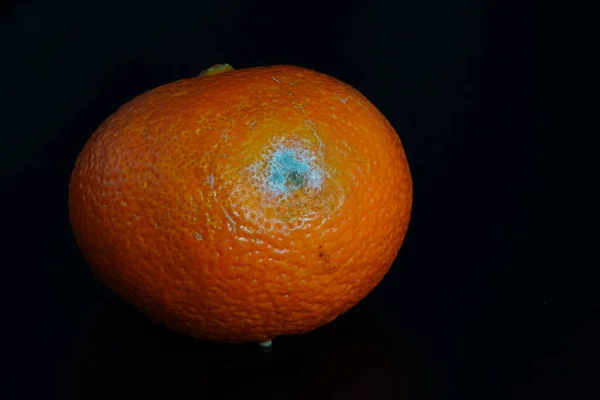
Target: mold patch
[
  {"x": 291, "y": 168},
  {"x": 287, "y": 168}
]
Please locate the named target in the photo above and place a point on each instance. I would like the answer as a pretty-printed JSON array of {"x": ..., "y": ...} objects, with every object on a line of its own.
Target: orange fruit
[{"x": 243, "y": 205}]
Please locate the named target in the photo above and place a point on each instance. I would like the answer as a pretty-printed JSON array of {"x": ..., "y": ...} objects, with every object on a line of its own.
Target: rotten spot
[
  {"x": 324, "y": 256},
  {"x": 294, "y": 180},
  {"x": 331, "y": 267}
]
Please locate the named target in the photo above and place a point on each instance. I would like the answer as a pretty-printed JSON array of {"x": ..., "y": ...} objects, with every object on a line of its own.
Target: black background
[{"x": 475, "y": 305}]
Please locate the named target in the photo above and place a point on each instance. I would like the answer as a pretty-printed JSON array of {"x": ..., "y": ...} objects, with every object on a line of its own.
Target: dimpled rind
[{"x": 244, "y": 205}]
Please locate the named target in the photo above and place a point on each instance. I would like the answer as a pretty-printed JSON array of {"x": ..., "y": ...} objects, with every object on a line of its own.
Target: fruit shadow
[{"x": 122, "y": 354}]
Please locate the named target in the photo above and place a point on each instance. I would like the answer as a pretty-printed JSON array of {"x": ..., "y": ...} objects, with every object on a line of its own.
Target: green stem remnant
[{"x": 216, "y": 69}]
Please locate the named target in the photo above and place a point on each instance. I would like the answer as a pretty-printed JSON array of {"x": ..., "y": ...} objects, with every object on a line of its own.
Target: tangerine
[{"x": 241, "y": 205}]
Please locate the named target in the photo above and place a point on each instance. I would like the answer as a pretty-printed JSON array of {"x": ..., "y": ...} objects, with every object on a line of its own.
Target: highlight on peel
[{"x": 242, "y": 205}]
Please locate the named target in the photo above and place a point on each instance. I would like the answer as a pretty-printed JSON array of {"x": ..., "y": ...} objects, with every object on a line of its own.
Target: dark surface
[{"x": 478, "y": 305}]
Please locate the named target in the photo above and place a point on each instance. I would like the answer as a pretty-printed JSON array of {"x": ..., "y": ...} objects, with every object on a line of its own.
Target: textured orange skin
[{"x": 169, "y": 206}]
